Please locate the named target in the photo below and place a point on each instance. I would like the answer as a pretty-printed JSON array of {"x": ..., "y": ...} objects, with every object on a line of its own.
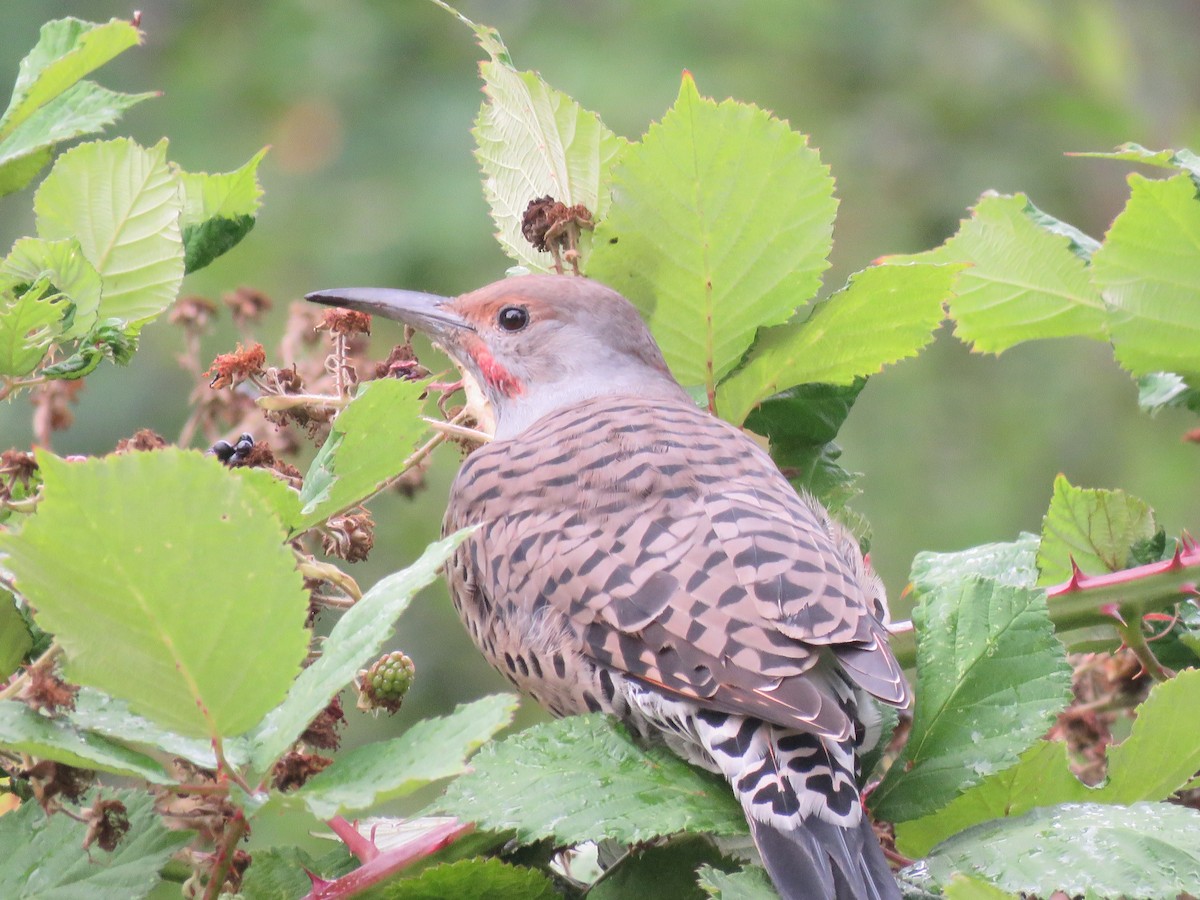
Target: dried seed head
[
  {"x": 294, "y": 768},
  {"x": 323, "y": 730},
  {"x": 141, "y": 441},
  {"x": 349, "y": 537},
  {"x": 345, "y": 321},
  {"x": 246, "y": 304},
  {"x": 229, "y": 369},
  {"x": 46, "y": 691},
  {"x": 108, "y": 822},
  {"x": 49, "y": 779},
  {"x": 539, "y": 215}
]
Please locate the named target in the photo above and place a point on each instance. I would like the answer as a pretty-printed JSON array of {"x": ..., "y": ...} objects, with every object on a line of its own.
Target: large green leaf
[
  {"x": 1094, "y": 528},
  {"x": 1013, "y": 563},
  {"x": 532, "y": 140},
  {"x": 15, "y": 639},
  {"x": 24, "y": 731},
  {"x": 357, "y": 636},
  {"x": 430, "y": 750},
  {"x": 750, "y": 883},
  {"x": 1143, "y": 850},
  {"x": 164, "y": 604},
  {"x": 885, "y": 313},
  {"x": 964, "y": 887},
  {"x": 721, "y": 223},
  {"x": 583, "y": 778},
  {"x": 218, "y": 211},
  {"x": 1026, "y": 279},
  {"x": 991, "y": 676},
  {"x": 42, "y": 857},
  {"x": 368, "y": 446},
  {"x": 662, "y": 870},
  {"x": 471, "y": 879},
  {"x": 122, "y": 203},
  {"x": 1149, "y": 272},
  {"x": 1182, "y": 160},
  {"x": 28, "y": 324},
  {"x": 1161, "y": 753},
  {"x": 67, "y": 49},
  {"x": 64, "y": 264}
]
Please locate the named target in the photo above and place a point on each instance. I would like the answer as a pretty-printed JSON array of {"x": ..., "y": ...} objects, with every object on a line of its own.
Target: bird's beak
[{"x": 425, "y": 312}]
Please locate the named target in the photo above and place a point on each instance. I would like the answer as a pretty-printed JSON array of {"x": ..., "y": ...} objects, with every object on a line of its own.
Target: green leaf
[
  {"x": 15, "y": 639},
  {"x": 278, "y": 873},
  {"x": 584, "y": 778},
  {"x": 218, "y": 211},
  {"x": 964, "y": 887},
  {"x": 111, "y": 339},
  {"x": 663, "y": 870},
  {"x": 1161, "y": 753},
  {"x": 1160, "y": 390},
  {"x": 29, "y": 323},
  {"x": 531, "y": 141},
  {"x": 1095, "y": 528},
  {"x": 885, "y": 313},
  {"x": 471, "y": 879},
  {"x": 1149, "y": 272},
  {"x": 64, "y": 264},
  {"x": 24, "y": 731},
  {"x": 721, "y": 223},
  {"x": 801, "y": 424},
  {"x": 1025, "y": 281},
  {"x": 275, "y": 492},
  {"x": 1183, "y": 160},
  {"x": 66, "y": 51},
  {"x": 356, "y": 638},
  {"x": 84, "y": 108},
  {"x": 1013, "y": 563},
  {"x": 122, "y": 203},
  {"x": 991, "y": 676},
  {"x": 1144, "y": 850},
  {"x": 42, "y": 856},
  {"x": 164, "y": 605},
  {"x": 750, "y": 883},
  {"x": 430, "y": 750},
  {"x": 99, "y": 714},
  {"x": 369, "y": 445}
]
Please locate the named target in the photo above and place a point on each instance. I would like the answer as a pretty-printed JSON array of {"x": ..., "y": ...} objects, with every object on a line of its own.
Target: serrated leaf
[
  {"x": 1149, "y": 272},
  {"x": 662, "y": 870},
  {"x": 1144, "y": 850},
  {"x": 24, "y": 731},
  {"x": 991, "y": 676},
  {"x": 1157, "y": 758},
  {"x": 43, "y": 857},
  {"x": 277, "y": 493},
  {"x": 99, "y": 714},
  {"x": 885, "y": 313},
  {"x": 122, "y": 203},
  {"x": 1025, "y": 281},
  {"x": 1183, "y": 160},
  {"x": 1160, "y": 390},
  {"x": 279, "y": 873},
  {"x": 28, "y": 325},
  {"x": 357, "y": 636},
  {"x": 1012, "y": 563},
  {"x": 15, "y": 639},
  {"x": 471, "y": 879},
  {"x": 161, "y": 604},
  {"x": 66, "y": 51},
  {"x": 532, "y": 141},
  {"x": 84, "y": 108},
  {"x": 584, "y": 778},
  {"x": 63, "y": 263},
  {"x": 368, "y": 446},
  {"x": 429, "y": 750},
  {"x": 1095, "y": 528},
  {"x": 749, "y": 883},
  {"x": 964, "y": 887},
  {"x": 218, "y": 211},
  {"x": 721, "y": 223}
]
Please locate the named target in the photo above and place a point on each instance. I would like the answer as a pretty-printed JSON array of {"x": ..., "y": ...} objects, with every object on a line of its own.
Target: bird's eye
[{"x": 513, "y": 318}]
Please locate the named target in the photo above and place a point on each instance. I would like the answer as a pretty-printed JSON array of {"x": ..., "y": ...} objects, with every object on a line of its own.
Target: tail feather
[{"x": 823, "y": 861}]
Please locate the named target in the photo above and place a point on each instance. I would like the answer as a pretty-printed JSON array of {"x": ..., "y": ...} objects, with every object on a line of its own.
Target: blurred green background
[{"x": 918, "y": 107}]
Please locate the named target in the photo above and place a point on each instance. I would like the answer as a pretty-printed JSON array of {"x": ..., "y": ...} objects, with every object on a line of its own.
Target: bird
[{"x": 637, "y": 555}]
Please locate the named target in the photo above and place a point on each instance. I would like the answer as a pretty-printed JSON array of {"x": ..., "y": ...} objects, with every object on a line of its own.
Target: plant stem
[
  {"x": 45, "y": 660},
  {"x": 224, "y": 859}
]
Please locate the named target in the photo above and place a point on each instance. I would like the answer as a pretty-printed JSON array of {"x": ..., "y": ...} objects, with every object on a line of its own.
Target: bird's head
[{"x": 534, "y": 343}]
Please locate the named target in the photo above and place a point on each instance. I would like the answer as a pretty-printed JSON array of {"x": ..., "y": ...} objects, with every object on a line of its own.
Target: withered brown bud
[
  {"x": 349, "y": 537},
  {"x": 345, "y": 321},
  {"x": 47, "y": 691},
  {"x": 193, "y": 313},
  {"x": 323, "y": 730},
  {"x": 49, "y": 779},
  {"x": 247, "y": 304},
  {"x": 141, "y": 441},
  {"x": 17, "y": 467},
  {"x": 540, "y": 214},
  {"x": 229, "y": 369},
  {"x": 402, "y": 363},
  {"x": 294, "y": 768},
  {"x": 108, "y": 822}
]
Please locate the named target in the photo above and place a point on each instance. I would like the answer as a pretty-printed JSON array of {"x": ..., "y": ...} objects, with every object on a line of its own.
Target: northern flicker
[{"x": 639, "y": 556}]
